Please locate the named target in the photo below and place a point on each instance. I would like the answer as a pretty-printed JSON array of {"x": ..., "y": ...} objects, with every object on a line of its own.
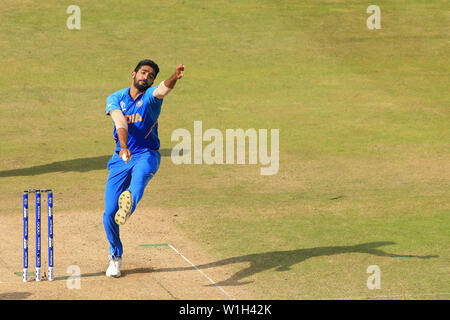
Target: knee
[{"x": 108, "y": 216}]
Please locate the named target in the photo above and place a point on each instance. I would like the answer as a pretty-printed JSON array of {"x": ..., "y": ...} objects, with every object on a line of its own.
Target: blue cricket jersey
[{"x": 142, "y": 116}]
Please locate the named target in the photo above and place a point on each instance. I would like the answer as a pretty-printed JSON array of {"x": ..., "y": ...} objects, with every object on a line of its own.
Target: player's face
[{"x": 143, "y": 79}]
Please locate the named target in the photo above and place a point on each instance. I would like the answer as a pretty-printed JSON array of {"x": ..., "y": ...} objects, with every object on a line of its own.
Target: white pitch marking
[{"x": 205, "y": 275}]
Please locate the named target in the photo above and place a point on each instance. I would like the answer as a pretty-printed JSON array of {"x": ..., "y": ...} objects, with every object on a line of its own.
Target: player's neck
[{"x": 134, "y": 92}]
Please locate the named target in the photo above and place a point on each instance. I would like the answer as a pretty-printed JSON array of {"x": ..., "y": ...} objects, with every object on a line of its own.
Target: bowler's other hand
[{"x": 125, "y": 155}]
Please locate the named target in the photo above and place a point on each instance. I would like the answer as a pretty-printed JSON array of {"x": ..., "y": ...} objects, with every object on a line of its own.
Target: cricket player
[{"x": 134, "y": 111}]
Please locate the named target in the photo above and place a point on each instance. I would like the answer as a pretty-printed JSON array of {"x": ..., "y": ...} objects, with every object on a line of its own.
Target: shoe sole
[
  {"x": 125, "y": 204},
  {"x": 113, "y": 276}
]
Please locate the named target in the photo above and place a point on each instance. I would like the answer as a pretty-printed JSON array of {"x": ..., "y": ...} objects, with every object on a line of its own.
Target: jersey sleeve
[
  {"x": 152, "y": 99},
  {"x": 112, "y": 103}
]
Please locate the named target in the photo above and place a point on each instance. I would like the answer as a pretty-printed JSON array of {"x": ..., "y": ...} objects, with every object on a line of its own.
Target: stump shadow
[{"x": 14, "y": 295}]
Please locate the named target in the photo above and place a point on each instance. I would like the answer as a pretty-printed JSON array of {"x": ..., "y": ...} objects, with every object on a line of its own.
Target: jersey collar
[{"x": 129, "y": 96}]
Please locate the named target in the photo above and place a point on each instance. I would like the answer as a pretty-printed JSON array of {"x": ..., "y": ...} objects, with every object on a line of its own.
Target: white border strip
[
  {"x": 195, "y": 267},
  {"x": 406, "y": 296}
]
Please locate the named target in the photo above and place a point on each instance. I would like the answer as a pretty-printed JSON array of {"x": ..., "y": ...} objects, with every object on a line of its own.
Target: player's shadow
[
  {"x": 284, "y": 260},
  {"x": 76, "y": 165}
]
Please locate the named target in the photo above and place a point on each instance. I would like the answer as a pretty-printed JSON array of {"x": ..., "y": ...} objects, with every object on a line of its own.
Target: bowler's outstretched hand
[{"x": 178, "y": 71}]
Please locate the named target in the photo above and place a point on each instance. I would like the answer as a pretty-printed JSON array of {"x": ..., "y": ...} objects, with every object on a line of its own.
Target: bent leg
[{"x": 143, "y": 171}]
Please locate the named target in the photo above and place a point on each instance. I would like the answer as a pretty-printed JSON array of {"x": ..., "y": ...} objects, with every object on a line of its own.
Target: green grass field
[{"x": 363, "y": 115}]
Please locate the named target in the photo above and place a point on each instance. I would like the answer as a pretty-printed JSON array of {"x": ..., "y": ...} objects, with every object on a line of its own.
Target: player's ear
[{"x": 133, "y": 74}]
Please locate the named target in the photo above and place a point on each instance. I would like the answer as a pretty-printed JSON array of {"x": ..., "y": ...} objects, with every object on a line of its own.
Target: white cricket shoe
[
  {"x": 125, "y": 203},
  {"x": 114, "y": 268}
]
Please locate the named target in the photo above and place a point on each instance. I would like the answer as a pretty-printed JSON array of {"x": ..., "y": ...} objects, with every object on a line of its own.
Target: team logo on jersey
[
  {"x": 133, "y": 118},
  {"x": 122, "y": 106},
  {"x": 139, "y": 103}
]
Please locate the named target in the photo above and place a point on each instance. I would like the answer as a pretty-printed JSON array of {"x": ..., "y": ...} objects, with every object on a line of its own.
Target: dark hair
[{"x": 149, "y": 63}]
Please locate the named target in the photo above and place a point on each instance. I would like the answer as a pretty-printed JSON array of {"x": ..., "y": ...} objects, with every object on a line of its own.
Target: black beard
[{"x": 141, "y": 87}]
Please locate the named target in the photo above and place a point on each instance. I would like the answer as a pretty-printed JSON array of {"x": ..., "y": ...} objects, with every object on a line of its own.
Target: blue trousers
[{"x": 133, "y": 176}]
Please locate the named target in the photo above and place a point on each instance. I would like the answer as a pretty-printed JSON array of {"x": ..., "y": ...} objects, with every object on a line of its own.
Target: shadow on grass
[
  {"x": 259, "y": 262},
  {"x": 78, "y": 165},
  {"x": 284, "y": 260},
  {"x": 14, "y": 295}
]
